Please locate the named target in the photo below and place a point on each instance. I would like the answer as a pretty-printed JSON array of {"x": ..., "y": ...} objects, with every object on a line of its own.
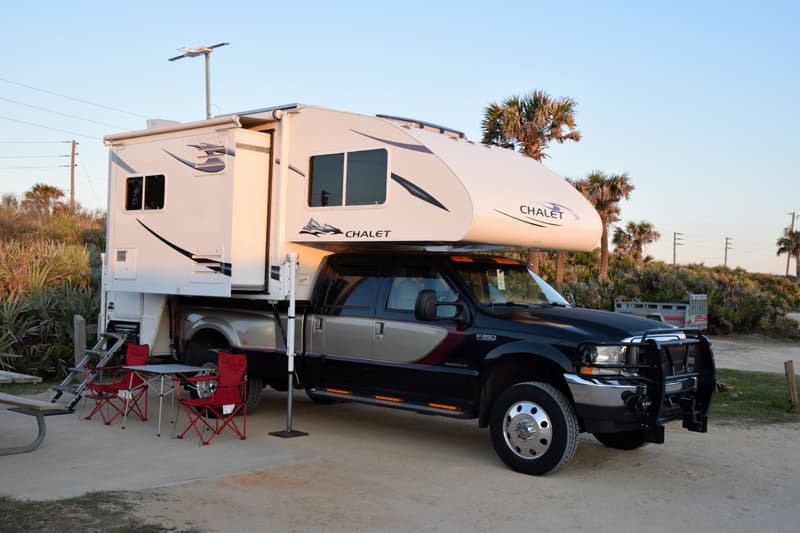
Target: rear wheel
[
  {"x": 533, "y": 428},
  {"x": 624, "y": 440},
  {"x": 203, "y": 351}
]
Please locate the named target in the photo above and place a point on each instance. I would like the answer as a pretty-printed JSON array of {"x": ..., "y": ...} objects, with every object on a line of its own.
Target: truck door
[
  {"x": 342, "y": 326},
  {"x": 414, "y": 359}
]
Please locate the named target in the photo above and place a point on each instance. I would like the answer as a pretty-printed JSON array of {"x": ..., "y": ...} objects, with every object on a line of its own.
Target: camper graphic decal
[
  {"x": 544, "y": 214},
  {"x": 208, "y": 157},
  {"x": 316, "y": 229},
  {"x": 117, "y": 160},
  {"x": 405, "y": 146},
  {"x": 418, "y": 192},
  {"x": 215, "y": 266}
]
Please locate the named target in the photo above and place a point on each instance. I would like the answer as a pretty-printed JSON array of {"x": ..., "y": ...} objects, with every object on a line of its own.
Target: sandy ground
[{"x": 371, "y": 469}]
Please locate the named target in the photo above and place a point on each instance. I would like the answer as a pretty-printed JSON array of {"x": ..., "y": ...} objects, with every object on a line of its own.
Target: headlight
[
  {"x": 595, "y": 357},
  {"x": 604, "y": 355}
]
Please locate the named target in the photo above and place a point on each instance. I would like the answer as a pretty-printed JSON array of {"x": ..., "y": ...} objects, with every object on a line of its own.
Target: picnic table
[
  {"x": 14, "y": 377},
  {"x": 28, "y": 406}
]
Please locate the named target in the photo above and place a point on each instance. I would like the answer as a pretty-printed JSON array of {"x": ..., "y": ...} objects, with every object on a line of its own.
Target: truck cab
[{"x": 477, "y": 336}]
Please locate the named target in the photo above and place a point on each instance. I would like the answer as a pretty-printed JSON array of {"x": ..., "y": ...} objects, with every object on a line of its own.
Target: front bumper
[{"x": 658, "y": 394}]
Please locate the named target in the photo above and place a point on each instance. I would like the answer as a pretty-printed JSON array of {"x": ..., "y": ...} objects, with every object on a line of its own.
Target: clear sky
[{"x": 696, "y": 100}]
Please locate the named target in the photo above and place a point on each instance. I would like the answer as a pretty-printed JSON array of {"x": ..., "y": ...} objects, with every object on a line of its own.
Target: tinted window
[
  {"x": 351, "y": 291},
  {"x": 366, "y": 177},
  {"x": 144, "y": 192},
  {"x": 407, "y": 282},
  {"x": 326, "y": 182},
  {"x": 133, "y": 193},
  {"x": 154, "y": 192}
]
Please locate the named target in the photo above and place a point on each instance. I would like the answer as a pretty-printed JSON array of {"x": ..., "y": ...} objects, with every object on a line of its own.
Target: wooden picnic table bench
[{"x": 31, "y": 407}]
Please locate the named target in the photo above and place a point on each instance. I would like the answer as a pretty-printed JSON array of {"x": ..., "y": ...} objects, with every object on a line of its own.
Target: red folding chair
[
  {"x": 109, "y": 398},
  {"x": 227, "y": 400}
]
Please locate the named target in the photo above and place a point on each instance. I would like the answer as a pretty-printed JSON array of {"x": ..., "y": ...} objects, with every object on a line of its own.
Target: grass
[
  {"x": 760, "y": 397},
  {"x": 95, "y": 511}
]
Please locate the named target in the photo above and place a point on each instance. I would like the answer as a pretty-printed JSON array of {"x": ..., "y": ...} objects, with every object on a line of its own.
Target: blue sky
[{"x": 697, "y": 101}]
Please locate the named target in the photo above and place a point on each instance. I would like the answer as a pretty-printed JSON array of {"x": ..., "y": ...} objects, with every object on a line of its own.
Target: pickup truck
[{"x": 468, "y": 336}]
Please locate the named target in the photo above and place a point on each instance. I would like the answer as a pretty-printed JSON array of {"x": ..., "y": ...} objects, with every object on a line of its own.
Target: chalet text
[
  {"x": 543, "y": 212},
  {"x": 368, "y": 234}
]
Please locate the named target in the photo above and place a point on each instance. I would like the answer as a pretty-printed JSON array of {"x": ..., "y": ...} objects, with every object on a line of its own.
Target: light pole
[
  {"x": 206, "y": 51},
  {"x": 728, "y": 246},
  {"x": 676, "y": 241}
]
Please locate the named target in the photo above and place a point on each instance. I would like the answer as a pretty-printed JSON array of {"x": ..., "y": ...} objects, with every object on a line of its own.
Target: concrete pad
[{"x": 78, "y": 456}]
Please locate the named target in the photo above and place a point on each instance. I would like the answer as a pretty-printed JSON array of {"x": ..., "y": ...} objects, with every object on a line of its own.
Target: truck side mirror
[
  {"x": 425, "y": 306},
  {"x": 428, "y": 308}
]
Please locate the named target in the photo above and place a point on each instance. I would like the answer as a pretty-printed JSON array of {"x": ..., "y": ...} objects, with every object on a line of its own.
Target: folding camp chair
[
  {"x": 227, "y": 399},
  {"x": 110, "y": 397}
]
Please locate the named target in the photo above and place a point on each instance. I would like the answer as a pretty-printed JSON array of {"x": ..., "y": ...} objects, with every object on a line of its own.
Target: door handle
[
  {"x": 378, "y": 329},
  {"x": 317, "y": 325}
]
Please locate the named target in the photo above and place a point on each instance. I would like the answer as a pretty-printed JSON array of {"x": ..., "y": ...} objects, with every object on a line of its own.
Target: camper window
[
  {"x": 144, "y": 192},
  {"x": 366, "y": 177},
  {"x": 352, "y": 178},
  {"x": 325, "y": 185}
]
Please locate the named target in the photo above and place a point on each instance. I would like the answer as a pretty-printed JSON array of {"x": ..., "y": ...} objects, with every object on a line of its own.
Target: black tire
[
  {"x": 533, "y": 428},
  {"x": 255, "y": 386},
  {"x": 208, "y": 359},
  {"x": 623, "y": 440}
]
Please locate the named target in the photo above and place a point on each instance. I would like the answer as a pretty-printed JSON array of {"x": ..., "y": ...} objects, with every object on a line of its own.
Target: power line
[
  {"x": 34, "y": 142},
  {"x": 44, "y": 166},
  {"x": 30, "y": 156},
  {"x": 62, "y": 114},
  {"x": 73, "y": 98},
  {"x": 89, "y": 181},
  {"x": 50, "y": 128}
]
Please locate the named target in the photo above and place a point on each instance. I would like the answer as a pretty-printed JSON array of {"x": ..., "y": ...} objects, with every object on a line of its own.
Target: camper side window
[
  {"x": 352, "y": 178},
  {"x": 144, "y": 192}
]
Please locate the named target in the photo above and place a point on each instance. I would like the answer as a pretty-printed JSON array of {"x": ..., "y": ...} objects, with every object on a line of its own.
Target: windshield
[{"x": 507, "y": 284}]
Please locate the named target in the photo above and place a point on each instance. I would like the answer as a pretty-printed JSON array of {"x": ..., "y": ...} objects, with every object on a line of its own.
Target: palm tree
[
  {"x": 605, "y": 193},
  {"x": 529, "y": 123},
  {"x": 631, "y": 240},
  {"x": 790, "y": 244},
  {"x": 42, "y": 199}
]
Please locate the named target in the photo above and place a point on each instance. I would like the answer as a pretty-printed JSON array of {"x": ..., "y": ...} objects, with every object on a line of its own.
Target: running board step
[{"x": 385, "y": 400}]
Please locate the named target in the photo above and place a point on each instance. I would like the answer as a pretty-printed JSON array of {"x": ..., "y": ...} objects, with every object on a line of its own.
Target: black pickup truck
[{"x": 477, "y": 336}]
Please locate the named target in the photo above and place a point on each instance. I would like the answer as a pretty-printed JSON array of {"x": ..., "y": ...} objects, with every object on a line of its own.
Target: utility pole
[
  {"x": 73, "y": 153},
  {"x": 206, "y": 51},
  {"x": 791, "y": 229},
  {"x": 676, "y": 241},
  {"x": 727, "y": 247}
]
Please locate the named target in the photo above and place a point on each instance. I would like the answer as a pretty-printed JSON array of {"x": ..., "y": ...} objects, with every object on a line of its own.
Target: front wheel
[
  {"x": 533, "y": 428},
  {"x": 623, "y": 440}
]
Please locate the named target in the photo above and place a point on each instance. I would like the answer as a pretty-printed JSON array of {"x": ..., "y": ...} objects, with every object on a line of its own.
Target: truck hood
[{"x": 587, "y": 324}]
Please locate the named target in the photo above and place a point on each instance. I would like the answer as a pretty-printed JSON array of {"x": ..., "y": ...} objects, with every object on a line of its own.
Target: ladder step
[
  {"x": 77, "y": 370},
  {"x": 72, "y": 389},
  {"x": 94, "y": 352}
]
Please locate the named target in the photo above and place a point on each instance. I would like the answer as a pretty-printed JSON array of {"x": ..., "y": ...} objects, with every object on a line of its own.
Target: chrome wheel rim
[{"x": 527, "y": 430}]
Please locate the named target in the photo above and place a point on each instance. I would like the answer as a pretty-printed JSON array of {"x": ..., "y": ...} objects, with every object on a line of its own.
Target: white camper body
[{"x": 211, "y": 208}]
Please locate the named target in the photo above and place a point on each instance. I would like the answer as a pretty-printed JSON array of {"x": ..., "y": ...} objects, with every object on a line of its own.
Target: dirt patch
[
  {"x": 754, "y": 353},
  {"x": 393, "y": 471}
]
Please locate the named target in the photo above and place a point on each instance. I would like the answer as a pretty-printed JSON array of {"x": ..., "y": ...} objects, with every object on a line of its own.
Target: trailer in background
[{"x": 682, "y": 315}]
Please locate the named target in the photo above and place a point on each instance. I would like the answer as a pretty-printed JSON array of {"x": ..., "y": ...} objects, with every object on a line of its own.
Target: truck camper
[{"x": 382, "y": 214}]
